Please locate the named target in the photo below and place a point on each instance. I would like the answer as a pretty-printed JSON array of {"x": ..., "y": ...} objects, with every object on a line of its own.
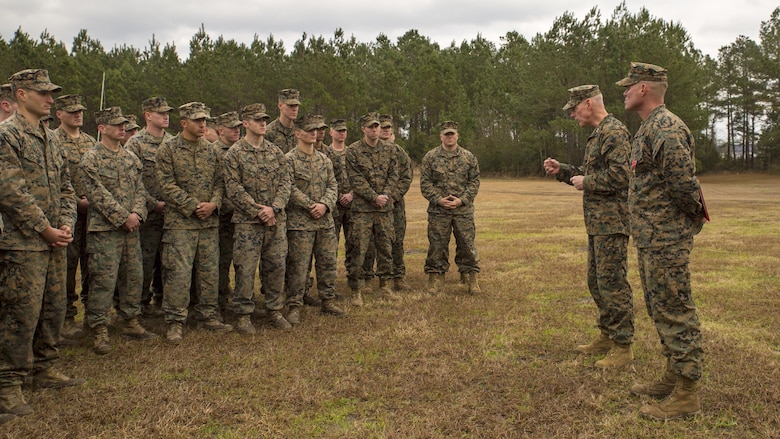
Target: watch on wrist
[{"x": 276, "y": 209}]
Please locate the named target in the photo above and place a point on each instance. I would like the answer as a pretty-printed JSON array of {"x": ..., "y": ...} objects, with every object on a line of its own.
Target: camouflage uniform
[
  {"x": 226, "y": 231},
  {"x": 665, "y": 215},
  {"x": 114, "y": 188},
  {"x": 605, "y": 206},
  {"x": 189, "y": 173},
  {"x": 145, "y": 147},
  {"x": 77, "y": 250},
  {"x": 254, "y": 177},
  {"x": 444, "y": 173},
  {"x": 279, "y": 134},
  {"x": 342, "y": 216},
  {"x": 313, "y": 182},
  {"x": 405, "y": 176},
  {"x": 35, "y": 193},
  {"x": 372, "y": 171}
]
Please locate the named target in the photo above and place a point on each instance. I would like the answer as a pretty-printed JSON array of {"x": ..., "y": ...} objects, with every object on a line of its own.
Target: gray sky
[{"x": 711, "y": 23}]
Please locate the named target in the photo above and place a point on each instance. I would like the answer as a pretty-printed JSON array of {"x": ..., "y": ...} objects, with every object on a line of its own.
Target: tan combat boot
[
  {"x": 277, "y": 319},
  {"x": 244, "y": 325},
  {"x": 682, "y": 403},
  {"x": 71, "y": 329},
  {"x": 51, "y": 378},
  {"x": 387, "y": 292},
  {"x": 658, "y": 389},
  {"x": 101, "y": 345},
  {"x": 174, "y": 334},
  {"x": 400, "y": 284},
  {"x": 357, "y": 298},
  {"x": 134, "y": 331},
  {"x": 474, "y": 284},
  {"x": 12, "y": 401},
  {"x": 601, "y": 345},
  {"x": 330, "y": 308},
  {"x": 618, "y": 355},
  {"x": 435, "y": 283},
  {"x": 213, "y": 324},
  {"x": 294, "y": 316}
]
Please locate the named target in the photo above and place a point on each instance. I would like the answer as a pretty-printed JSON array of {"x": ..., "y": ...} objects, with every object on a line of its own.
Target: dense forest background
[{"x": 507, "y": 98}]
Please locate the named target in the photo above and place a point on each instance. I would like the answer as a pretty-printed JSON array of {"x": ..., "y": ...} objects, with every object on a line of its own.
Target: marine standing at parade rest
[
  {"x": 603, "y": 179},
  {"x": 38, "y": 207},
  {"x": 449, "y": 180},
  {"x": 115, "y": 190},
  {"x": 191, "y": 185},
  {"x": 258, "y": 183},
  {"x": 666, "y": 208}
]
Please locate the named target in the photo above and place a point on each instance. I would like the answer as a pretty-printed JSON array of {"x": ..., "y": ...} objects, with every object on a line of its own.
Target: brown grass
[{"x": 496, "y": 366}]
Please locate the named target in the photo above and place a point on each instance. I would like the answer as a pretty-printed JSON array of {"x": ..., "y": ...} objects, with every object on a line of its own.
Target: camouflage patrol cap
[
  {"x": 448, "y": 126},
  {"x": 229, "y": 119},
  {"x": 47, "y": 118},
  {"x": 254, "y": 111},
  {"x": 69, "y": 103},
  {"x": 5, "y": 92},
  {"x": 320, "y": 119},
  {"x": 156, "y": 104},
  {"x": 385, "y": 120},
  {"x": 338, "y": 124},
  {"x": 369, "y": 119},
  {"x": 290, "y": 96},
  {"x": 579, "y": 94},
  {"x": 307, "y": 123},
  {"x": 640, "y": 71},
  {"x": 110, "y": 116},
  {"x": 131, "y": 123},
  {"x": 33, "y": 79},
  {"x": 194, "y": 111}
]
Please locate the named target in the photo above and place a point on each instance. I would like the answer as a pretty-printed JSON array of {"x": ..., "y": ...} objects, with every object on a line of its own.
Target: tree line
[{"x": 507, "y": 98}]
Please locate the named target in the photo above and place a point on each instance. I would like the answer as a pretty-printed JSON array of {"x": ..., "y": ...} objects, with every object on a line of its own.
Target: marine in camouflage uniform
[
  {"x": 281, "y": 132},
  {"x": 229, "y": 129},
  {"x": 405, "y": 175},
  {"x": 7, "y": 103},
  {"x": 75, "y": 143},
  {"x": 145, "y": 145},
  {"x": 191, "y": 184},
  {"x": 342, "y": 215},
  {"x": 310, "y": 230},
  {"x": 38, "y": 206},
  {"x": 603, "y": 178},
  {"x": 113, "y": 186},
  {"x": 449, "y": 180},
  {"x": 258, "y": 183},
  {"x": 664, "y": 201},
  {"x": 373, "y": 174},
  {"x": 131, "y": 128}
]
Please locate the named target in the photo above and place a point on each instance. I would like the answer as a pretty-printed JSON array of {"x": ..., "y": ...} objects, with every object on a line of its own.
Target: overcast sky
[{"x": 711, "y": 23}]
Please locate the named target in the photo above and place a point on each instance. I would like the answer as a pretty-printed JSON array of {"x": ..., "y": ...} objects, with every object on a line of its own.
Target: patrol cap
[
  {"x": 640, "y": 71},
  {"x": 290, "y": 96},
  {"x": 194, "y": 111},
  {"x": 369, "y": 119},
  {"x": 110, "y": 116},
  {"x": 254, "y": 111},
  {"x": 47, "y": 118},
  {"x": 5, "y": 92},
  {"x": 156, "y": 104},
  {"x": 229, "y": 119},
  {"x": 338, "y": 124},
  {"x": 579, "y": 94},
  {"x": 385, "y": 120},
  {"x": 448, "y": 126},
  {"x": 320, "y": 119},
  {"x": 69, "y": 103},
  {"x": 33, "y": 79},
  {"x": 131, "y": 123},
  {"x": 307, "y": 123}
]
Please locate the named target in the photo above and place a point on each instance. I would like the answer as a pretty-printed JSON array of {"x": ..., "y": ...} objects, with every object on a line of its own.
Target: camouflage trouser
[
  {"x": 368, "y": 226},
  {"x": 151, "y": 243},
  {"x": 32, "y": 310},
  {"x": 440, "y": 227},
  {"x": 607, "y": 282},
  {"x": 342, "y": 220},
  {"x": 399, "y": 226},
  {"x": 77, "y": 254},
  {"x": 116, "y": 266},
  {"x": 666, "y": 280},
  {"x": 302, "y": 245},
  {"x": 182, "y": 250},
  {"x": 257, "y": 243},
  {"x": 226, "y": 231}
]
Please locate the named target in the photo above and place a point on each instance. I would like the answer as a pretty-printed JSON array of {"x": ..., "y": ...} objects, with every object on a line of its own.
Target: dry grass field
[{"x": 500, "y": 365}]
